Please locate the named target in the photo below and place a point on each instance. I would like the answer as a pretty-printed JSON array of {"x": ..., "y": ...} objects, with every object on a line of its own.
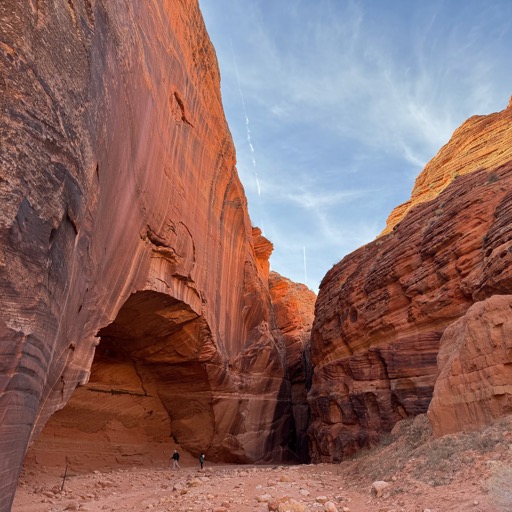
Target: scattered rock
[
  {"x": 286, "y": 504},
  {"x": 274, "y": 505},
  {"x": 329, "y": 506},
  {"x": 379, "y": 487}
]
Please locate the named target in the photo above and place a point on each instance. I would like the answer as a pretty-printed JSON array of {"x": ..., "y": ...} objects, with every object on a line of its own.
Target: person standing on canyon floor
[
  {"x": 201, "y": 460},
  {"x": 176, "y": 460}
]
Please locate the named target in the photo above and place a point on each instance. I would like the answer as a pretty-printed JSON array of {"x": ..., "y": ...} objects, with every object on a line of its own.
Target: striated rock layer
[
  {"x": 382, "y": 310},
  {"x": 474, "y": 386},
  {"x": 294, "y": 306},
  {"x": 482, "y": 142},
  {"x": 127, "y": 264}
]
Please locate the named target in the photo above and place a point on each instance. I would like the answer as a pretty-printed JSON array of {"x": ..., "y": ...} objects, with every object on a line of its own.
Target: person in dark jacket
[
  {"x": 201, "y": 460},
  {"x": 176, "y": 460}
]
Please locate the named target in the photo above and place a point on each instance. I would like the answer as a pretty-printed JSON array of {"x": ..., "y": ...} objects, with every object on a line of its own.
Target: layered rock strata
[
  {"x": 474, "y": 386},
  {"x": 294, "y": 306},
  {"x": 382, "y": 310},
  {"x": 127, "y": 265},
  {"x": 482, "y": 142}
]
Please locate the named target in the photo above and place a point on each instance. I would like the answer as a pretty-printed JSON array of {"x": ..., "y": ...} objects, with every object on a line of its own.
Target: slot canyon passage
[{"x": 139, "y": 313}]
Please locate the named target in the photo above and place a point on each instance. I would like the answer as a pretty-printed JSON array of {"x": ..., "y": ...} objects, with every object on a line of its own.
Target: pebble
[
  {"x": 329, "y": 506},
  {"x": 379, "y": 487}
]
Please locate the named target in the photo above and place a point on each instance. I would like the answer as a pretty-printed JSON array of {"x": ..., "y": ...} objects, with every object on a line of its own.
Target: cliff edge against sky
[{"x": 128, "y": 266}]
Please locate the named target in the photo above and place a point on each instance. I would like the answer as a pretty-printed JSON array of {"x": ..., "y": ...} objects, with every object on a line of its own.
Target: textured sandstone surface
[
  {"x": 474, "y": 385},
  {"x": 382, "y": 310},
  {"x": 294, "y": 306},
  {"x": 128, "y": 266},
  {"x": 482, "y": 142}
]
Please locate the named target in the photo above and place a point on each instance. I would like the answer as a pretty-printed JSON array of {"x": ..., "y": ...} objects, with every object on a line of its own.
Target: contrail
[
  {"x": 251, "y": 147},
  {"x": 305, "y": 267}
]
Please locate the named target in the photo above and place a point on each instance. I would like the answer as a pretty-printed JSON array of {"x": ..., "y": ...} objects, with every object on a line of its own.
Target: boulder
[{"x": 474, "y": 386}]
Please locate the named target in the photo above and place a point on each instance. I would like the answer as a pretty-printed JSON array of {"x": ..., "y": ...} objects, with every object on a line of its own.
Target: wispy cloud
[{"x": 347, "y": 102}]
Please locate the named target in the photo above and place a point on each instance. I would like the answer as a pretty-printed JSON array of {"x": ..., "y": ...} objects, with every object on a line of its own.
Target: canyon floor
[{"x": 463, "y": 472}]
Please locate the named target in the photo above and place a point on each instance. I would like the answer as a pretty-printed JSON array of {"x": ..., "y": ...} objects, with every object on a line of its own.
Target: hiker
[
  {"x": 201, "y": 459},
  {"x": 176, "y": 460}
]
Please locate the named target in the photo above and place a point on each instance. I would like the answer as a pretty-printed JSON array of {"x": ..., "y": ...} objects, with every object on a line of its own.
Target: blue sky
[{"x": 335, "y": 106}]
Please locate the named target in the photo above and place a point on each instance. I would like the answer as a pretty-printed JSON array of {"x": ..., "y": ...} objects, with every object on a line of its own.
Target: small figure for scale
[{"x": 176, "y": 460}]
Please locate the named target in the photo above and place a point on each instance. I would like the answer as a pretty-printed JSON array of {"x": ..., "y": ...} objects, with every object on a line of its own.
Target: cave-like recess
[{"x": 147, "y": 391}]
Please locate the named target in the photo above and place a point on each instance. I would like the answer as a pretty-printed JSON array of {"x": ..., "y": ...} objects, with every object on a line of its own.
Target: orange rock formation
[
  {"x": 474, "y": 385},
  {"x": 382, "y": 310},
  {"x": 128, "y": 267},
  {"x": 294, "y": 305},
  {"x": 482, "y": 142}
]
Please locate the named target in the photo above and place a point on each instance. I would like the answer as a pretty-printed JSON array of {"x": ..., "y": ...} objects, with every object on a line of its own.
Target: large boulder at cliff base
[{"x": 474, "y": 386}]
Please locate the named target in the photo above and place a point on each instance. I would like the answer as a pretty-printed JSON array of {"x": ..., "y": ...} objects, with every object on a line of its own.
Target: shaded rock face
[
  {"x": 474, "y": 386},
  {"x": 382, "y": 310},
  {"x": 127, "y": 262},
  {"x": 294, "y": 306}
]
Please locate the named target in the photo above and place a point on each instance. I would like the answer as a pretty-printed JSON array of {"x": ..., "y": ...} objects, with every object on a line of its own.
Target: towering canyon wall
[
  {"x": 381, "y": 312},
  {"x": 127, "y": 262}
]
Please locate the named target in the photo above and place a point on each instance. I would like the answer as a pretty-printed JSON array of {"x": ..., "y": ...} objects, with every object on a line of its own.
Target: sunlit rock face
[
  {"x": 127, "y": 264},
  {"x": 382, "y": 310},
  {"x": 474, "y": 386},
  {"x": 482, "y": 142},
  {"x": 294, "y": 306}
]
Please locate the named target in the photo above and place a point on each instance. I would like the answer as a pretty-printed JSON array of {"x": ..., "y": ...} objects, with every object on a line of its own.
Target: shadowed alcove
[{"x": 148, "y": 389}]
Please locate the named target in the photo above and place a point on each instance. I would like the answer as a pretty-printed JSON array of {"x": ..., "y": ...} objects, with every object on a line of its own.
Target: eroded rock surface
[
  {"x": 382, "y": 310},
  {"x": 474, "y": 386},
  {"x": 482, "y": 142},
  {"x": 294, "y": 305},
  {"x": 127, "y": 251}
]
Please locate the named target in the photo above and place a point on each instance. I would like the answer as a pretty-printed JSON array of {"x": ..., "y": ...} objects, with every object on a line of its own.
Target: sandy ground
[
  {"x": 467, "y": 472},
  {"x": 237, "y": 488}
]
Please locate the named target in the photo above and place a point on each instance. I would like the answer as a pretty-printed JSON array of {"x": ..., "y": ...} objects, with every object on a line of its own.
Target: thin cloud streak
[{"x": 347, "y": 102}]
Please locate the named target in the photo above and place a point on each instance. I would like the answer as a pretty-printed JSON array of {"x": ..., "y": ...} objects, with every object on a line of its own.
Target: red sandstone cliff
[
  {"x": 127, "y": 265},
  {"x": 474, "y": 385},
  {"x": 294, "y": 306},
  {"x": 382, "y": 311}
]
